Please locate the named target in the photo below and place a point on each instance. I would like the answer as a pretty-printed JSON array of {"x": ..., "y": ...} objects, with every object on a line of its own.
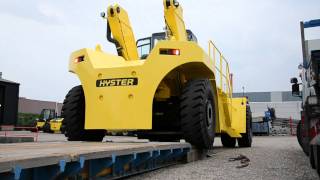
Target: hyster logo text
[{"x": 117, "y": 82}]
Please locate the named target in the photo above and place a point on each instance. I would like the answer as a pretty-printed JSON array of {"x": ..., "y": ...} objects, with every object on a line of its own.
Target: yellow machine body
[
  {"x": 120, "y": 90},
  {"x": 40, "y": 124},
  {"x": 55, "y": 124}
]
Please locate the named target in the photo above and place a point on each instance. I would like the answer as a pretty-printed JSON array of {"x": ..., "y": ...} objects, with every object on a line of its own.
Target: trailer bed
[{"x": 58, "y": 160}]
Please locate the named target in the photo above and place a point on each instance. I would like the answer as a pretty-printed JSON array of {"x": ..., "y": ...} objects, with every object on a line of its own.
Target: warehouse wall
[
  {"x": 283, "y": 109},
  {"x": 275, "y": 96},
  {"x": 35, "y": 106},
  {"x": 283, "y": 102}
]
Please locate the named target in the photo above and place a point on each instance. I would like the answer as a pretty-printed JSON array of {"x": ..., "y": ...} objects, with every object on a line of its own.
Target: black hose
[{"x": 115, "y": 42}]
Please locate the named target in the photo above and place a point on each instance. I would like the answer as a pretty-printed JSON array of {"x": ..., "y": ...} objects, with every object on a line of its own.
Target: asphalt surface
[{"x": 270, "y": 158}]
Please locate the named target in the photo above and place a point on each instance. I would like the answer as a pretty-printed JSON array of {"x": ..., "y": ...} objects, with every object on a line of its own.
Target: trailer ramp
[{"x": 86, "y": 160}]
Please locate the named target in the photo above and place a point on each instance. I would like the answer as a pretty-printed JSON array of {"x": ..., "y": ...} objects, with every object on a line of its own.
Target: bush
[{"x": 27, "y": 119}]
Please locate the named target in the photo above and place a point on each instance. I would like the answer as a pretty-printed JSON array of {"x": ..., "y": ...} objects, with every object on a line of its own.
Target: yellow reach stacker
[{"x": 164, "y": 87}]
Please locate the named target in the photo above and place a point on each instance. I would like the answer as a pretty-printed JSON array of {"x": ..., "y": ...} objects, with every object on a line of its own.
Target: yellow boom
[
  {"x": 119, "y": 24},
  {"x": 173, "y": 15}
]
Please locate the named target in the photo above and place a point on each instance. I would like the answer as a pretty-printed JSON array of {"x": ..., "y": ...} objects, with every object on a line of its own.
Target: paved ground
[{"x": 270, "y": 158}]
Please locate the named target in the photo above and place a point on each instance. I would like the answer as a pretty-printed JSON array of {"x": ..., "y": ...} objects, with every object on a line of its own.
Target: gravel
[{"x": 270, "y": 158}]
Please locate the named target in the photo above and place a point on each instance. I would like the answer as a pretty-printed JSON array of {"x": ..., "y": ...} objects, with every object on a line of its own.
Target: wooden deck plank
[{"x": 28, "y": 155}]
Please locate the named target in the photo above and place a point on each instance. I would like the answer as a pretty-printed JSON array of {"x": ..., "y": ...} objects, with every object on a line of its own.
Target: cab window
[{"x": 144, "y": 47}]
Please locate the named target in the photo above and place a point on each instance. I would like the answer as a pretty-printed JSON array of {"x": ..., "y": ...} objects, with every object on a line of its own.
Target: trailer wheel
[
  {"x": 197, "y": 113},
  {"x": 246, "y": 139},
  {"x": 228, "y": 141},
  {"x": 73, "y": 112}
]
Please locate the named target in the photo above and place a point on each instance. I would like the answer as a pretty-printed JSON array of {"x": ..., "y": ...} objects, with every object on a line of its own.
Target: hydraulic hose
[{"x": 115, "y": 42}]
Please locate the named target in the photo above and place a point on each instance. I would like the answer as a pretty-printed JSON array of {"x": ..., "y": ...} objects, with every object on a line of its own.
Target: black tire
[
  {"x": 73, "y": 112},
  {"x": 299, "y": 135},
  {"x": 316, "y": 153},
  {"x": 228, "y": 141},
  {"x": 46, "y": 127},
  {"x": 246, "y": 139},
  {"x": 63, "y": 128},
  {"x": 312, "y": 157},
  {"x": 197, "y": 113}
]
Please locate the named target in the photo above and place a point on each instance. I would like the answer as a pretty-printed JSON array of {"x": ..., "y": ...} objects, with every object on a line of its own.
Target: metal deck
[{"x": 85, "y": 160}]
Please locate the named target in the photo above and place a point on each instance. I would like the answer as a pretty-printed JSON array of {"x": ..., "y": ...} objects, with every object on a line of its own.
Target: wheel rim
[{"x": 209, "y": 113}]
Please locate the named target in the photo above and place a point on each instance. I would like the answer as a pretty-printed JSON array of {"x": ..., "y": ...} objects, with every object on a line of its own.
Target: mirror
[
  {"x": 294, "y": 80},
  {"x": 296, "y": 90}
]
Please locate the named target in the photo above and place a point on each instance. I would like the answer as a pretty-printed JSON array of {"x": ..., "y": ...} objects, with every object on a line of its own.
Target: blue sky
[{"x": 261, "y": 39}]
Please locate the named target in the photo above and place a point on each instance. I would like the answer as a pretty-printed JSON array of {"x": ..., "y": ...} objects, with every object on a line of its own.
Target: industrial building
[{"x": 35, "y": 106}]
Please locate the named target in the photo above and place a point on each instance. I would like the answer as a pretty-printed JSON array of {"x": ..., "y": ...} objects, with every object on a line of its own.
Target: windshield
[
  {"x": 144, "y": 47},
  {"x": 46, "y": 114}
]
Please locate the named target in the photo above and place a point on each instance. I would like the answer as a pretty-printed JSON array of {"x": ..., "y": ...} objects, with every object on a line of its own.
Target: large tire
[
  {"x": 73, "y": 112},
  {"x": 299, "y": 134},
  {"x": 228, "y": 141},
  {"x": 246, "y": 139},
  {"x": 312, "y": 157},
  {"x": 197, "y": 113},
  {"x": 316, "y": 152}
]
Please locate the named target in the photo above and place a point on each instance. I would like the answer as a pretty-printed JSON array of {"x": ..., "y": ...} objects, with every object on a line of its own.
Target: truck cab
[
  {"x": 308, "y": 129},
  {"x": 145, "y": 45}
]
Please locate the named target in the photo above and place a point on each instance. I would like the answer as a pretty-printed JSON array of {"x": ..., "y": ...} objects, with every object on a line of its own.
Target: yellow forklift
[
  {"x": 164, "y": 87},
  {"x": 43, "y": 122},
  {"x": 55, "y": 125},
  {"x": 48, "y": 121}
]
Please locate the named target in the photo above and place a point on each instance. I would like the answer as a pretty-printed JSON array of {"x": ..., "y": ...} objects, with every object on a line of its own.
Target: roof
[{"x": 7, "y": 81}]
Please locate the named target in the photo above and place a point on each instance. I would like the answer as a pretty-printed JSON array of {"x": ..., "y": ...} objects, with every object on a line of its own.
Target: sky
[{"x": 260, "y": 39}]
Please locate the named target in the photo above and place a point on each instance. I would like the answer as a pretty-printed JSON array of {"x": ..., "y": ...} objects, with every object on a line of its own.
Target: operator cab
[
  {"x": 145, "y": 45},
  {"x": 47, "y": 114}
]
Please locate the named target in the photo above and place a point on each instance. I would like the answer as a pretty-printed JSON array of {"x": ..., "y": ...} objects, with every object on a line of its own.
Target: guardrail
[
  {"x": 221, "y": 70},
  {"x": 12, "y": 131}
]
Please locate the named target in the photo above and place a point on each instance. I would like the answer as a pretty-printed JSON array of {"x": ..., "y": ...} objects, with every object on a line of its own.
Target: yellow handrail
[{"x": 220, "y": 73}]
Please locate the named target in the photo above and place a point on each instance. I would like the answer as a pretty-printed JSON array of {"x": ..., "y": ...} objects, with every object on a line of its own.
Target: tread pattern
[
  {"x": 195, "y": 96},
  {"x": 73, "y": 112},
  {"x": 246, "y": 139}
]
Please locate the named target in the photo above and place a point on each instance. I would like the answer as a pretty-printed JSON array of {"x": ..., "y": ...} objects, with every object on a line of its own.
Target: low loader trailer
[{"x": 88, "y": 160}]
